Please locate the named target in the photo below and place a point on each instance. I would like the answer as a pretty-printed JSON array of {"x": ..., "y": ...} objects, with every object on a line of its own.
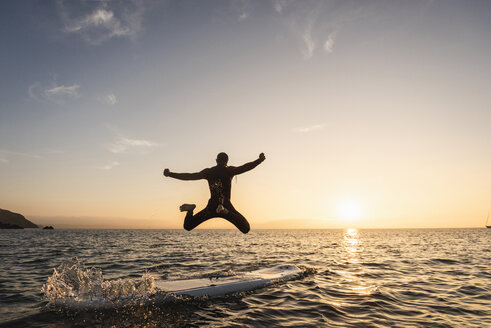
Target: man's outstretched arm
[
  {"x": 249, "y": 166},
  {"x": 185, "y": 176}
]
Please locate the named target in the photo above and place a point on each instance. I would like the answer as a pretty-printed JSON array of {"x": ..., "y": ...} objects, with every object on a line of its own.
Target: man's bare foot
[
  {"x": 187, "y": 207},
  {"x": 221, "y": 209}
]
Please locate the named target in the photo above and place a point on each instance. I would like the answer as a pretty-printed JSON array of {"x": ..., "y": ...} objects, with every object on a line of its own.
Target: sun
[{"x": 349, "y": 210}]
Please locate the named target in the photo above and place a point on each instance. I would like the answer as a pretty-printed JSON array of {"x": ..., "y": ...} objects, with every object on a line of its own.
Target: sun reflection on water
[
  {"x": 351, "y": 245},
  {"x": 352, "y": 232},
  {"x": 354, "y": 272}
]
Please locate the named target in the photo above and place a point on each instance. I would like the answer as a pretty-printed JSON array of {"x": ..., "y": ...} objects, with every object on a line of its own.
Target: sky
[{"x": 372, "y": 114}]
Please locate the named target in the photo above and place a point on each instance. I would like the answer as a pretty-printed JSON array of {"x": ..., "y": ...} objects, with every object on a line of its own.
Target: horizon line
[{"x": 231, "y": 229}]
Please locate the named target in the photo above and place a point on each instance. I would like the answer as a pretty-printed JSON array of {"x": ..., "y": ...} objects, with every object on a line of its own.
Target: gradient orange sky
[{"x": 372, "y": 114}]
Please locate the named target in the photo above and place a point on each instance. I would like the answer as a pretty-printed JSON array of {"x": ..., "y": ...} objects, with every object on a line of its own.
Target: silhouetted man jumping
[{"x": 220, "y": 182}]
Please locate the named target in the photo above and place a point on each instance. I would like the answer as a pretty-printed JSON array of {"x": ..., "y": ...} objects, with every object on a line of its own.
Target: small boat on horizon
[{"x": 487, "y": 219}]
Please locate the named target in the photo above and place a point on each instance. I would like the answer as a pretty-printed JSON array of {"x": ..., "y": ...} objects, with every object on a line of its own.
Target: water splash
[
  {"x": 307, "y": 271},
  {"x": 73, "y": 283}
]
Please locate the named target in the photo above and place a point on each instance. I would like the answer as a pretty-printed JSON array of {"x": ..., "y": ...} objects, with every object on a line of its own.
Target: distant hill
[{"x": 11, "y": 218}]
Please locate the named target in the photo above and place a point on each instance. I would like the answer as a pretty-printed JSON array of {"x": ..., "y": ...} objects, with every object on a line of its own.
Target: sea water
[{"x": 351, "y": 278}]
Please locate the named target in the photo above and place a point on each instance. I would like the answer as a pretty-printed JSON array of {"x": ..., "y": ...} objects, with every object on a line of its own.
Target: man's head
[{"x": 222, "y": 159}]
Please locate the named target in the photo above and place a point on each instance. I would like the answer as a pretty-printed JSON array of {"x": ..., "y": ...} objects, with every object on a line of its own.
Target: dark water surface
[{"x": 366, "y": 278}]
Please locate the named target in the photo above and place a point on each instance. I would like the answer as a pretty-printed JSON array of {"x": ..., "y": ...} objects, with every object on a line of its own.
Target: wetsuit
[{"x": 220, "y": 182}]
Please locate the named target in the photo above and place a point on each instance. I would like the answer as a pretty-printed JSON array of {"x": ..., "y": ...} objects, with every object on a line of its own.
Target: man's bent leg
[
  {"x": 237, "y": 220},
  {"x": 192, "y": 221}
]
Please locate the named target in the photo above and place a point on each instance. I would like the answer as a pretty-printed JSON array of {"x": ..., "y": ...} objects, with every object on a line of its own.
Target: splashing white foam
[{"x": 73, "y": 283}]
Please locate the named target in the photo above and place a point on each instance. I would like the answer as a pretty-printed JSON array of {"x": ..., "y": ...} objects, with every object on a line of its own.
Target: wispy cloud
[
  {"x": 314, "y": 25},
  {"x": 109, "y": 99},
  {"x": 279, "y": 5},
  {"x": 309, "y": 44},
  {"x": 6, "y": 154},
  {"x": 302, "y": 21},
  {"x": 34, "y": 91},
  {"x": 123, "y": 144},
  {"x": 310, "y": 128},
  {"x": 61, "y": 91},
  {"x": 242, "y": 8},
  {"x": 98, "y": 21},
  {"x": 109, "y": 166},
  {"x": 54, "y": 93},
  {"x": 242, "y": 16},
  {"x": 329, "y": 44}
]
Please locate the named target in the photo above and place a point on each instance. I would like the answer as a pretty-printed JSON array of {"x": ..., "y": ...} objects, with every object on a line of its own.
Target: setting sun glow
[{"x": 349, "y": 210}]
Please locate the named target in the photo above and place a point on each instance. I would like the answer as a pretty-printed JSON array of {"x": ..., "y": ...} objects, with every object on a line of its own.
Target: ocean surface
[{"x": 351, "y": 278}]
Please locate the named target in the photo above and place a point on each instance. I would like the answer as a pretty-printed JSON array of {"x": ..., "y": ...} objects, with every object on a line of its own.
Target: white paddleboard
[
  {"x": 165, "y": 289},
  {"x": 218, "y": 286}
]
